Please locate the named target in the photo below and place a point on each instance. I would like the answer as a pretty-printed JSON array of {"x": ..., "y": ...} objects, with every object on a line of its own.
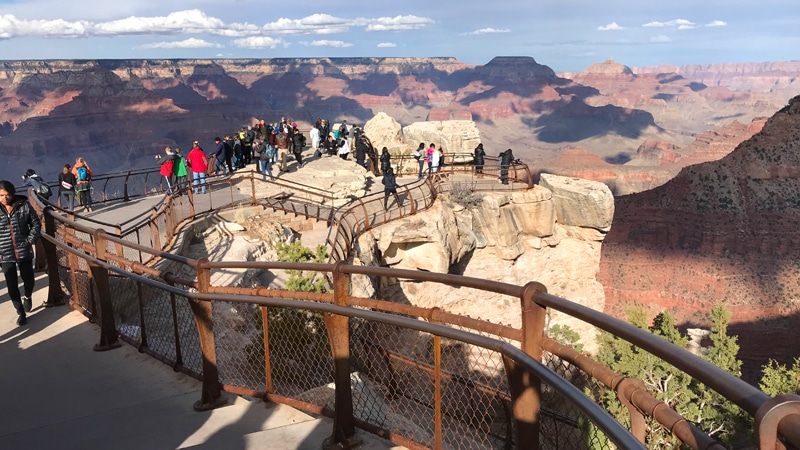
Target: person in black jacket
[
  {"x": 20, "y": 227},
  {"x": 478, "y": 159},
  {"x": 389, "y": 187},
  {"x": 505, "y": 161},
  {"x": 298, "y": 143},
  {"x": 386, "y": 160},
  {"x": 66, "y": 187}
]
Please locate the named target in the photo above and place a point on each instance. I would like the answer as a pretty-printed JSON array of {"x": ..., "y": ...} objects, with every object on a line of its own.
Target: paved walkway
[{"x": 57, "y": 393}]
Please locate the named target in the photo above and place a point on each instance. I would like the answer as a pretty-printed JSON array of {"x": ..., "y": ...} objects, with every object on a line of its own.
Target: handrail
[{"x": 749, "y": 398}]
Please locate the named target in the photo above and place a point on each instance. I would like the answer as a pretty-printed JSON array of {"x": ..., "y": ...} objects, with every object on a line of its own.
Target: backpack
[
  {"x": 44, "y": 190},
  {"x": 83, "y": 174}
]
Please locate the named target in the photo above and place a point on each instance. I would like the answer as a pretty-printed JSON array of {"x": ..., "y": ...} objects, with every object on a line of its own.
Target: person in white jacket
[{"x": 314, "y": 134}]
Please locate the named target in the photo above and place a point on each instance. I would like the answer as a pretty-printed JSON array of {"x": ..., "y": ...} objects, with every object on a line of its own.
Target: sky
[{"x": 567, "y": 35}]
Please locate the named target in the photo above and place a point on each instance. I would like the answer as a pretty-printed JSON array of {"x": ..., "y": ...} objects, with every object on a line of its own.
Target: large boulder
[
  {"x": 342, "y": 179},
  {"x": 383, "y": 131},
  {"x": 579, "y": 202},
  {"x": 430, "y": 241},
  {"x": 453, "y": 136}
]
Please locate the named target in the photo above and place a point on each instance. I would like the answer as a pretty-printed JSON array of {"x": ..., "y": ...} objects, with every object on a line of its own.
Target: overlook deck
[
  {"x": 59, "y": 394},
  {"x": 448, "y": 381}
]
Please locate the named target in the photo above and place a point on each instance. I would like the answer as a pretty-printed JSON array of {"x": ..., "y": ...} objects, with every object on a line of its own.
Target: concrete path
[{"x": 57, "y": 393}]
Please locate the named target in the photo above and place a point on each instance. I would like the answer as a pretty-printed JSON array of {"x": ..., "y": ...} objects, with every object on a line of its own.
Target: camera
[{"x": 158, "y": 156}]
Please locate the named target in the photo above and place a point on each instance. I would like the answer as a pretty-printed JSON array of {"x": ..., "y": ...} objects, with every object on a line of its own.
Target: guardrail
[{"x": 445, "y": 381}]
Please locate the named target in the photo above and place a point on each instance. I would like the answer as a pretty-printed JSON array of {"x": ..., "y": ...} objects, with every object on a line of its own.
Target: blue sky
[{"x": 567, "y": 35}]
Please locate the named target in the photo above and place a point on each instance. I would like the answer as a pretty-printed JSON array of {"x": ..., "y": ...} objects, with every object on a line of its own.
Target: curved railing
[{"x": 445, "y": 381}]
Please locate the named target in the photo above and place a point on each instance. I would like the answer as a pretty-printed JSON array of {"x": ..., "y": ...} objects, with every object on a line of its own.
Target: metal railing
[{"x": 422, "y": 377}]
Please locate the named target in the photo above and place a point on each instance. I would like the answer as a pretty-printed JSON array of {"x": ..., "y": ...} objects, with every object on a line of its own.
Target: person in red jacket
[
  {"x": 198, "y": 161},
  {"x": 167, "y": 167}
]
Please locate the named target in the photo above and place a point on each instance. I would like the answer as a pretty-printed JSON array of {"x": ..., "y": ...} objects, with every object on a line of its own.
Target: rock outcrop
[
  {"x": 452, "y": 136},
  {"x": 513, "y": 237}
]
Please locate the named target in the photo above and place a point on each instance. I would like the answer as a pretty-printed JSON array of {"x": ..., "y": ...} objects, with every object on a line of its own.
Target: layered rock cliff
[
  {"x": 118, "y": 113},
  {"x": 722, "y": 231}
]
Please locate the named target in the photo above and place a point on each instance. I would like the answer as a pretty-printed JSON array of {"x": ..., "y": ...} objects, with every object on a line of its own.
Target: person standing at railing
[
  {"x": 180, "y": 172},
  {"x": 219, "y": 157},
  {"x": 282, "y": 143},
  {"x": 436, "y": 158},
  {"x": 199, "y": 163},
  {"x": 167, "y": 167},
  {"x": 19, "y": 230},
  {"x": 386, "y": 160},
  {"x": 66, "y": 188},
  {"x": 505, "y": 161},
  {"x": 429, "y": 156},
  {"x": 478, "y": 159},
  {"x": 83, "y": 186},
  {"x": 420, "y": 156}
]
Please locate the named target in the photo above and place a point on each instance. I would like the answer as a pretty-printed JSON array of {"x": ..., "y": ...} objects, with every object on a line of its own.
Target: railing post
[
  {"x": 125, "y": 196},
  {"x": 344, "y": 431},
  {"x": 253, "y": 188},
  {"x": 54, "y": 284},
  {"x": 108, "y": 331},
  {"x": 155, "y": 238},
  {"x": 211, "y": 396},
  {"x": 526, "y": 391},
  {"x": 769, "y": 417},
  {"x": 625, "y": 391}
]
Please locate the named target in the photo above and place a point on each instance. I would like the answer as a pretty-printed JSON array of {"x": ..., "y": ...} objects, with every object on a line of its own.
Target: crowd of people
[{"x": 264, "y": 145}]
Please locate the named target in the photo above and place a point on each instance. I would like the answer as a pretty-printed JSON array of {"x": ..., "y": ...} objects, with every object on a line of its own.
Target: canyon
[
  {"x": 703, "y": 170},
  {"x": 118, "y": 113}
]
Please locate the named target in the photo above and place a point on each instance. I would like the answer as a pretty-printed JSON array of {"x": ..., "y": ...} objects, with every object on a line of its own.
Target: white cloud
[
  {"x": 386, "y": 45},
  {"x": 397, "y": 23},
  {"x": 327, "y": 43},
  {"x": 488, "y": 31},
  {"x": 190, "y": 21},
  {"x": 257, "y": 42},
  {"x": 188, "y": 43},
  {"x": 660, "y": 39},
  {"x": 717, "y": 23},
  {"x": 681, "y": 24},
  {"x": 613, "y": 26},
  {"x": 195, "y": 21}
]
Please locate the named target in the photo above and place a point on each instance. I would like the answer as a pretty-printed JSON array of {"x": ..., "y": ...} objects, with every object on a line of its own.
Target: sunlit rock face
[{"x": 722, "y": 231}]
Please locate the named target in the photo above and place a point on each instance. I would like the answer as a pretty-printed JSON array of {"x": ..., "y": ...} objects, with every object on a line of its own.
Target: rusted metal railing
[{"x": 405, "y": 363}]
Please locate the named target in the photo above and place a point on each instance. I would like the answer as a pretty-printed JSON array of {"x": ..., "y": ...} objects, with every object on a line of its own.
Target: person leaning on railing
[{"x": 18, "y": 232}]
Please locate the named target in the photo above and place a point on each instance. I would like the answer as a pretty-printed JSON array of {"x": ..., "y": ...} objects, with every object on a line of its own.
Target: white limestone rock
[{"x": 579, "y": 202}]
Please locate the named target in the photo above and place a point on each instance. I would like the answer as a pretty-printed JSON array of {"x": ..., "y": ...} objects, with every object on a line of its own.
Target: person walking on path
[
  {"x": 66, "y": 188},
  {"x": 199, "y": 163},
  {"x": 20, "y": 227},
  {"x": 83, "y": 186},
  {"x": 389, "y": 188}
]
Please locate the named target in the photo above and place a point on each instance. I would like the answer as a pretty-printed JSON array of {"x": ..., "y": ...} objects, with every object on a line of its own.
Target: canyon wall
[{"x": 722, "y": 231}]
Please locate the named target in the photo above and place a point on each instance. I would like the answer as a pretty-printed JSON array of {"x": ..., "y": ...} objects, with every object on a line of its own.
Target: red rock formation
[{"x": 723, "y": 231}]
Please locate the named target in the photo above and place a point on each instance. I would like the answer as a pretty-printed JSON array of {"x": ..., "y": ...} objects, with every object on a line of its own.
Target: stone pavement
[{"x": 57, "y": 393}]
